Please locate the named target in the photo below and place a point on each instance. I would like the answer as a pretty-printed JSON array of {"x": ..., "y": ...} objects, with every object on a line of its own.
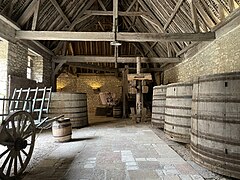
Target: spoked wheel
[{"x": 17, "y": 137}]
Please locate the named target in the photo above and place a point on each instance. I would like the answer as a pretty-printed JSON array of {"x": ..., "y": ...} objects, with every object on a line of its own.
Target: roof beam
[
  {"x": 165, "y": 37},
  {"x": 27, "y": 13},
  {"x": 111, "y": 59},
  {"x": 110, "y": 36},
  {"x": 178, "y": 5},
  {"x": 102, "y": 5},
  {"x": 56, "y": 5},
  {"x": 110, "y": 13},
  {"x": 35, "y": 16},
  {"x": 194, "y": 16}
]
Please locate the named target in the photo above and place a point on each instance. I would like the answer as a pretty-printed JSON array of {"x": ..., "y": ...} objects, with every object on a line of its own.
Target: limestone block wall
[
  {"x": 17, "y": 59},
  {"x": 86, "y": 83},
  {"x": 220, "y": 56},
  {"x": 47, "y": 70},
  {"x": 3, "y": 66}
]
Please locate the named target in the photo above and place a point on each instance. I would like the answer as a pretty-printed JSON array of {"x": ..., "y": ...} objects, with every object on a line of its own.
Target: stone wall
[
  {"x": 3, "y": 66},
  {"x": 47, "y": 70},
  {"x": 17, "y": 59},
  {"x": 85, "y": 84},
  {"x": 220, "y": 56},
  {"x": 17, "y": 52}
]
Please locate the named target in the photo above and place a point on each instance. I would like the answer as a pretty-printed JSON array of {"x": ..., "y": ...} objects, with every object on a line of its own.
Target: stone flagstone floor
[{"x": 117, "y": 150}]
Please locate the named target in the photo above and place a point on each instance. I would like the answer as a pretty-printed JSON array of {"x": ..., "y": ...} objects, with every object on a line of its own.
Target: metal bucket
[
  {"x": 158, "y": 106},
  {"x": 62, "y": 130},
  {"x": 215, "y": 135},
  {"x": 72, "y": 105},
  {"x": 178, "y": 112}
]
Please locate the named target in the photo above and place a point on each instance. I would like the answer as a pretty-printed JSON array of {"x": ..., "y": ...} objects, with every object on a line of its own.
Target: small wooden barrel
[
  {"x": 158, "y": 106},
  {"x": 215, "y": 134},
  {"x": 62, "y": 130},
  {"x": 72, "y": 105},
  {"x": 117, "y": 112},
  {"x": 178, "y": 112}
]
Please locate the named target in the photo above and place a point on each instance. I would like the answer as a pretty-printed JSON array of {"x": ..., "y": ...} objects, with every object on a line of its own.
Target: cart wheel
[{"x": 18, "y": 138}]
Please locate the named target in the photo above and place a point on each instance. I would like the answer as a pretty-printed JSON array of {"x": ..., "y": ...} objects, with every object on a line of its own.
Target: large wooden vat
[
  {"x": 215, "y": 135},
  {"x": 158, "y": 106},
  {"x": 72, "y": 105},
  {"x": 178, "y": 112}
]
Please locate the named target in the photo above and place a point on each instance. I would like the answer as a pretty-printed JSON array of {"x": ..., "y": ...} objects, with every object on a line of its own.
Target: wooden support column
[
  {"x": 55, "y": 70},
  {"x": 125, "y": 90},
  {"x": 115, "y": 29},
  {"x": 139, "y": 92}
]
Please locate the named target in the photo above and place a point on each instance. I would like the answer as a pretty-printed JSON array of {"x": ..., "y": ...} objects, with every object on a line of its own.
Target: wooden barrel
[
  {"x": 215, "y": 134},
  {"x": 72, "y": 105},
  {"x": 62, "y": 130},
  {"x": 178, "y": 112},
  {"x": 117, "y": 111},
  {"x": 158, "y": 106}
]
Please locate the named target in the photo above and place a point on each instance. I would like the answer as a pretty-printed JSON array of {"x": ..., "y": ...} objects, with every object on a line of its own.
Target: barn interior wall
[
  {"x": 86, "y": 84},
  {"x": 13, "y": 56},
  {"x": 17, "y": 59},
  {"x": 3, "y": 66},
  {"x": 220, "y": 56}
]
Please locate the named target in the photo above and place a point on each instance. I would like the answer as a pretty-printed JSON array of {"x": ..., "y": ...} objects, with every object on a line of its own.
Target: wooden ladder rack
[{"x": 39, "y": 101}]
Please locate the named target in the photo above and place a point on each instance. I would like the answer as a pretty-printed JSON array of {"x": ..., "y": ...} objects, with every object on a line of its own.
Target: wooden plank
[
  {"x": 65, "y": 18},
  {"x": 110, "y": 36},
  {"x": 231, "y": 17},
  {"x": 110, "y": 13},
  {"x": 102, "y": 5},
  {"x": 153, "y": 37},
  {"x": 141, "y": 76},
  {"x": 27, "y": 13},
  {"x": 178, "y": 5},
  {"x": 131, "y": 5},
  {"x": 186, "y": 48},
  {"x": 93, "y": 67},
  {"x": 35, "y": 16},
  {"x": 209, "y": 22},
  {"x": 65, "y": 35},
  {"x": 231, "y": 5},
  {"x": 194, "y": 16},
  {"x": 111, "y": 59}
]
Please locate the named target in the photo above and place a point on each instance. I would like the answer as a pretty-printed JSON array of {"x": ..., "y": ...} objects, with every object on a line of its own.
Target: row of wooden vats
[{"x": 206, "y": 114}]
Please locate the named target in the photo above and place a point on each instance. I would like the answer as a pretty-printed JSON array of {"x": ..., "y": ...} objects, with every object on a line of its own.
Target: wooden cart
[{"x": 18, "y": 129}]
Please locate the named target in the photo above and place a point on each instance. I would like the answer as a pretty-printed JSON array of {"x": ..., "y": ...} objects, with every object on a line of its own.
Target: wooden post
[
  {"x": 125, "y": 90},
  {"x": 139, "y": 91}
]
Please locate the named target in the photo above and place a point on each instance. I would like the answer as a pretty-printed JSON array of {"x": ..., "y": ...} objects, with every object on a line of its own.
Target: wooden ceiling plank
[
  {"x": 36, "y": 15},
  {"x": 60, "y": 11},
  {"x": 209, "y": 11},
  {"x": 27, "y": 13},
  {"x": 79, "y": 15},
  {"x": 231, "y": 5},
  {"x": 209, "y": 22},
  {"x": 178, "y": 5},
  {"x": 151, "y": 14}
]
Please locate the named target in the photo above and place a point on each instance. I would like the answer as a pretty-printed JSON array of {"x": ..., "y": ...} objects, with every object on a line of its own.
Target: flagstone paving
[{"x": 116, "y": 150}]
